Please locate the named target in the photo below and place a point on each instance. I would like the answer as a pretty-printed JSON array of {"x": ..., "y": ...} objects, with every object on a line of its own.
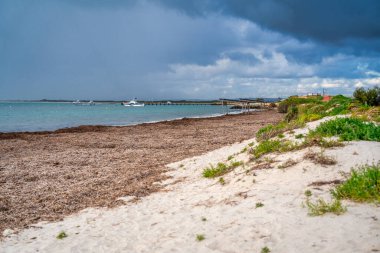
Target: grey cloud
[{"x": 328, "y": 20}]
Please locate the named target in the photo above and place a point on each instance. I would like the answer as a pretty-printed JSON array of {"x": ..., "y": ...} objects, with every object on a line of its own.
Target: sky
[{"x": 177, "y": 49}]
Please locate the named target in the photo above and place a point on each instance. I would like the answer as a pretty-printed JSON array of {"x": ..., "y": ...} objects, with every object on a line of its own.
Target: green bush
[
  {"x": 362, "y": 186},
  {"x": 369, "y": 97},
  {"x": 348, "y": 129}
]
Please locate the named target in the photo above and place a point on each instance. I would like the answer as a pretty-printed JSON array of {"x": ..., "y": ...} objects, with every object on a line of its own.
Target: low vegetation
[
  {"x": 259, "y": 204},
  {"x": 287, "y": 163},
  {"x": 348, "y": 129},
  {"x": 363, "y": 185},
  {"x": 319, "y": 158},
  {"x": 200, "y": 237},
  {"x": 270, "y": 146},
  {"x": 300, "y": 110},
  {"x": 265, "y": 250},
  {"x": 222, "y": 181},
  {"x": 270, "y": 130},
  {"x": 61, "y": 235},
  {"x": 308, "y": 193},
  {"x": 220, "y": 169},
  {"x": 322, "y": 207}
]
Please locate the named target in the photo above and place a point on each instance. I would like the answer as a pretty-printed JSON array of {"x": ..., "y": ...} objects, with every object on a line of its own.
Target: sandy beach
[
  {"x": 46, "y": 176},
  {"x": 227, "y": 215}
]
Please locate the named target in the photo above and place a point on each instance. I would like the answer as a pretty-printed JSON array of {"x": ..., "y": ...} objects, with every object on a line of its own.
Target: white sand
[{"x": 169, "y": 221}]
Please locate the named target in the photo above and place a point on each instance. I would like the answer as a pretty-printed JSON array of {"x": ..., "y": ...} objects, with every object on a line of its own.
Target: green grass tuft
[
  {"x": 61, "y": 235},
  {"x": 222, "y": 181},
  {"x": 200, "y": 237},
  {"x": 362, "y": 186},
  {"x": 266, "y": 147},
  {"x": 270, "y": 130},
  {"x": 308, "y": 193},
  {"x": 321, "y": 207},
  {"x": 244, "y": 150},
  {"x": 259, "y": 204},
  {"x": 220, "y": 169},
  {"x": 265, "y": 250},
  {"x": 270, "y": 146}
]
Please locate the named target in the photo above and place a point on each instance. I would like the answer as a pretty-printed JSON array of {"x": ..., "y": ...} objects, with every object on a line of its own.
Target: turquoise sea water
[{"x": 41, "y": 116}]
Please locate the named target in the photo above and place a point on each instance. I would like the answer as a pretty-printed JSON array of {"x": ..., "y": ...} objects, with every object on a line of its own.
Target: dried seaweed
[{"x": 46, "y": 176}]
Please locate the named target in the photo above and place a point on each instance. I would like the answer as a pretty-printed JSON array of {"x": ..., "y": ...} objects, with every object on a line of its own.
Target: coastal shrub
[
  {"x": 299, "y": 136},
  {"x": 370, "y": 97},
  {"x": 282, "y": 107},
  {"x": 265, "y": 250},
  {"x": 363, "y": 185},
  {"x": 321, "y": 207},
  {"x": 348, "y": 129},
  {"x": 307, "y": 117},
  {"x": 337, "y": 105},
  {"x": 367, "y": 113},
  {"x": 292, "y": 113},
  {"x": 271, "y": 146},
  {"x": 294, "y": 100},
  {"x": 220, "y": 169},
  {"x": 270, "y": 131}
]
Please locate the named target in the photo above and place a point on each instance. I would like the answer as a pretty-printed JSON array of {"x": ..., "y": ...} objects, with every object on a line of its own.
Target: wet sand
[{"x": 48, "y": 175}]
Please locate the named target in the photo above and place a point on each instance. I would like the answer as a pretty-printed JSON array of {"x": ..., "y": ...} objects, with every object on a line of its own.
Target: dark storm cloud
[{"x": 328, "y": 20}]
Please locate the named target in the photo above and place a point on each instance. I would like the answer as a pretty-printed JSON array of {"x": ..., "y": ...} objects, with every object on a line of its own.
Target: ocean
[{"x": 44, "y": 116}]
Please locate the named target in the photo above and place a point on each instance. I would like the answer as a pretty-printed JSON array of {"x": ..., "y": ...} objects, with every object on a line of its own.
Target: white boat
[
  {"x": 78, "y": 102},
  {"x": 132, "y": 103}
]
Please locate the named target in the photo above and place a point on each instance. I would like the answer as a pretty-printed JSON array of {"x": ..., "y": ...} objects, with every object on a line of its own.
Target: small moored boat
[{"x": 133, "y": 102}]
